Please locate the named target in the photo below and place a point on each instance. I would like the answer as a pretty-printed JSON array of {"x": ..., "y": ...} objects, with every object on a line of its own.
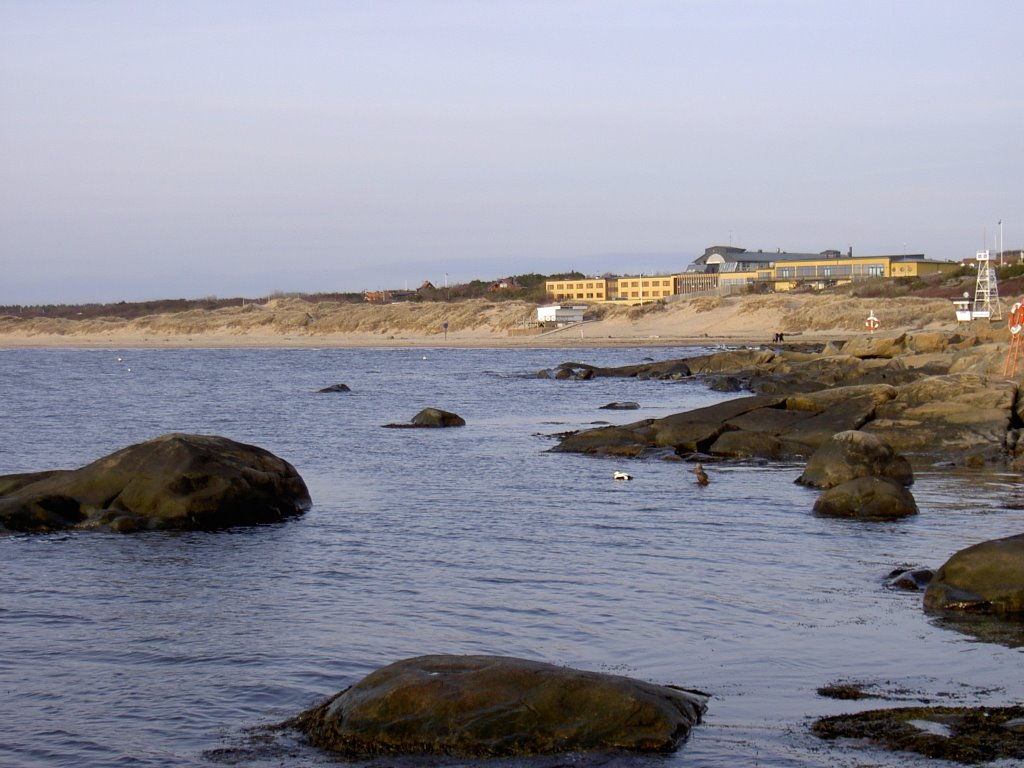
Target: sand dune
[{"x": 296, "y": 322}]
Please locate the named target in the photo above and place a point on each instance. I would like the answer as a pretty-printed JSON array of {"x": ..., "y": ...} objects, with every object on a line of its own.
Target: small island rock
[{"x": 430, "y": 418}]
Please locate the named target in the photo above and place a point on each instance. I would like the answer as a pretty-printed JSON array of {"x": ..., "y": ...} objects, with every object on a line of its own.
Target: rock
[
  {"x": 880, "y": 385},
  {"x": 336, "y": 388},
  {"x": 434, "y": 417},
  {"x": 627, "y": 405},
  {"x": 987, "y": 577},
  {"x": 911, "y": 579},
  {"x": 605, "y": 441},
  {"x": 951, "y": 414},
  {"x": 961, "y": 734},
  {"x": 726, "y": 383},
  {"x": 431, "y": 418},
  {"x": 737, "y": 444},
  {"x": 852, "y": 454},
  {"x": 484, "y": 706},
  {"x": 876, "y": 345},
  {"x": 867, "y": 498},
  {"x": 177, "y": 481}
]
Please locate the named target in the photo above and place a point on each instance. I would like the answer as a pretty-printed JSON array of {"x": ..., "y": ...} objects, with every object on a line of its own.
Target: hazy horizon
[{"x": 189, "y": 149}]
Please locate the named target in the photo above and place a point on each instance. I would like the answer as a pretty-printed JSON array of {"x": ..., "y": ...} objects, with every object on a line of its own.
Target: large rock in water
[
  {"x": 851, "y": 454},
  {"x": 431, "y": 418},
  {"x": 867, "y": 498},
  {"x": 499, "y": 706},
  {"x": 177, "y": 481},
  {"x": 986, "y": 578}
]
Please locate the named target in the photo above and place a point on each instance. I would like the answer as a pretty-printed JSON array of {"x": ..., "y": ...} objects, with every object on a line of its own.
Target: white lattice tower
[{"x": 986, "y": 290}]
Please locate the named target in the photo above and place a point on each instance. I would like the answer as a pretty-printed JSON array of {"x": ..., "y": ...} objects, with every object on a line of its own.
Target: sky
[{"x": 194, "y": 148}]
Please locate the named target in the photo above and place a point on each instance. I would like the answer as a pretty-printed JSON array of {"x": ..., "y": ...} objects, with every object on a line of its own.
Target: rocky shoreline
[{"x": 940, "y": 398}]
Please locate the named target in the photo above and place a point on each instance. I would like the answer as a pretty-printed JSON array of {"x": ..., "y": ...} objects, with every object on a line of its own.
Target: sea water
[{"x": 180, "y": 649}]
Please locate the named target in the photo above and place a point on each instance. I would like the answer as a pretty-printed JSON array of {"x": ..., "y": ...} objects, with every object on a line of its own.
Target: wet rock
[
  {"x": 485, "y": 706},
  {"x": 911, "y": 579},
  {"x": 844, "y": 691},
  {"x": 627, "y": 441},
  {"x": 851, "y": 454},
  {"x": 435, "y": 417},
  {"x": 867, "y": 498},
  {"x": 986, "y": 578},
  {"x": 177, "y": 481},
  {"x": 960, "y": 734},
  {"x": 882, "y": 385},
  {"x": 336, "y": 388},
  {"x": 431, "y": 418},
  {"x": 627, "y": 405},
  {"x": 726, "y": 384}
]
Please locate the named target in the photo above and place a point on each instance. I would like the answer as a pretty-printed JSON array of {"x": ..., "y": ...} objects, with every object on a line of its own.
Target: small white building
[{"x": 558, "y": 314}]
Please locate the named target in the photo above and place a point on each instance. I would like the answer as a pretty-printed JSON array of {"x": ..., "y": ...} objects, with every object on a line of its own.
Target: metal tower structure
[{"x": 986, "y": 290}]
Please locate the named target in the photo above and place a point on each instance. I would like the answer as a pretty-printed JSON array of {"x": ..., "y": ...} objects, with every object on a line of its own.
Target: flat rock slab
[{"x": 499, "y": 706}]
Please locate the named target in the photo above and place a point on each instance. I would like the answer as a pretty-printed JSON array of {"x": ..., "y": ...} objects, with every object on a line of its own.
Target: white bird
[{"x": 621, "y": 476}]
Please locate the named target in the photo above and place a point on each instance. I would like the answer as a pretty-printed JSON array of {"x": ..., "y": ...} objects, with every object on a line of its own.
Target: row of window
[
  {"x": 831, "y": 270},
  {"x": 652, "y": 284}
]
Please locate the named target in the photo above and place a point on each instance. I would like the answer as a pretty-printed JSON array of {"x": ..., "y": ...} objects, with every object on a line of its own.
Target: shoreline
[
  {"x": 371, "y": 341},
  {"x": 739, "y": 321}
]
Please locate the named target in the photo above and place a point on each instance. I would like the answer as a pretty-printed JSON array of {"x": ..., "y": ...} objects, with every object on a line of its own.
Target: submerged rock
[
  {"x": 499, "y": 706},
  {"x": 336, "y": 388},
  {"x": 177, "y": 481}
]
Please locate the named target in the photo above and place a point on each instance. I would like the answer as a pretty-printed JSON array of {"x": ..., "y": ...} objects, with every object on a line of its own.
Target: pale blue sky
[{"x": 194, "y": 148}]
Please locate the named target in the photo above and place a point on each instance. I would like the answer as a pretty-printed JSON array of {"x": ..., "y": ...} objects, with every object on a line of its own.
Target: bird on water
[{"x": 702, "y": 476}]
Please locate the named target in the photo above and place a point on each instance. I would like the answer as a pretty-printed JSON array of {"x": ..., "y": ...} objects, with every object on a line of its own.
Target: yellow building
[
  {"x": 645, "y": 288},
  {"x": 728, "y": 267},
  {"x": 633, "y": 289},
  {"x": 592, "y": 288},
  {"x": 828, "y": 270}
]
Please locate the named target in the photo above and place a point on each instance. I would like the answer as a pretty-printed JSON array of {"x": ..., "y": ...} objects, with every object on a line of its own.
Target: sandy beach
[{"x": 293, "y": 322}]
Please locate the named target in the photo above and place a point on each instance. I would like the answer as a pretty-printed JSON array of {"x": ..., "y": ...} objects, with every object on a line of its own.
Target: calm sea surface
[{"x": 175, "y": 649}]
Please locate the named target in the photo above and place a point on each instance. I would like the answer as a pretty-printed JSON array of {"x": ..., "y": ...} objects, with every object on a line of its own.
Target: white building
[{"x": 557, "y": 314}]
